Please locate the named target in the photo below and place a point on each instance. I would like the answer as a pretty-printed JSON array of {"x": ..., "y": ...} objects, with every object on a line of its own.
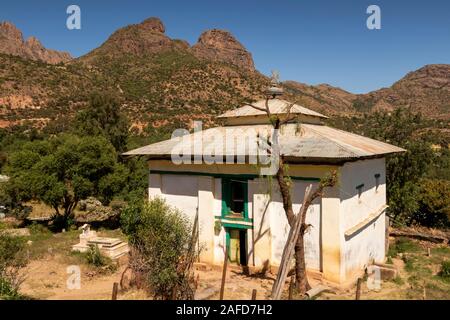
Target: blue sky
[{"x": 308, "y": 41}]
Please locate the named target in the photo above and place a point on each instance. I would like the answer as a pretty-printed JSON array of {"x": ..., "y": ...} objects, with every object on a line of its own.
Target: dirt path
[{"x": 47, "y": 279}]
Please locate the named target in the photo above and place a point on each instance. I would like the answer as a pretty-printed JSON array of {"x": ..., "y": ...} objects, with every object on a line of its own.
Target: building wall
[
  {"x": 266, "y": 240},
  {"x": 328, "y": 249},
  {"x": 280, "y": 227},
  {"x": 363, "y": 217}
]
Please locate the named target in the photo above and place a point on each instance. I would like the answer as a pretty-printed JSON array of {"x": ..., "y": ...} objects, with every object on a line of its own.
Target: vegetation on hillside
[{"x": 418, "y": 181}]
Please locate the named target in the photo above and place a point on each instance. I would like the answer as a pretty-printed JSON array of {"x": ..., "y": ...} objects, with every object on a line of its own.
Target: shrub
[
  {"x": 398, "y": 280},
  {"x": 161, "y": 250},
  {"x": 95, "y": 258},
  {"x": 12, "y": 259},
  {"x": 434, "y": 203},
  {"x": 38, "y": 229},
  {"x": 445, "y": 270}
]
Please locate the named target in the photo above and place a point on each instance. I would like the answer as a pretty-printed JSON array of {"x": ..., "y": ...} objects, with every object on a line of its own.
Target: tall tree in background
[{"x": 103, "y": 117}]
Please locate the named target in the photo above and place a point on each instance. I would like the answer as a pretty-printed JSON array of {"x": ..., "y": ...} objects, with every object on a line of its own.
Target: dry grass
[{"x": 418, "y": 278}]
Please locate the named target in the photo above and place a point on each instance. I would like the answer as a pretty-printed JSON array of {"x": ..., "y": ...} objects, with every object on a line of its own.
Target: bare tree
[{"x": 285, "y": 184}]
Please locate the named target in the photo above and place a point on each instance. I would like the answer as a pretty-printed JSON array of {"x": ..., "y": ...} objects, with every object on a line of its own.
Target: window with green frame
[{"x": 234, "y": 198}]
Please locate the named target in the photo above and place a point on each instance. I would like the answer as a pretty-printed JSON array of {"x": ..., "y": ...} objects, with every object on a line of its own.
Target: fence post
[
  {"x": 224, "y": 273},
  {"x": 358, "y": 289},
  {"x": 114, "y": 291}
]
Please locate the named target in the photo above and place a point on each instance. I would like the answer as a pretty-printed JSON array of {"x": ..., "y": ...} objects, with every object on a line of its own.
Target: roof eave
[{"x": 288, "y": 159}]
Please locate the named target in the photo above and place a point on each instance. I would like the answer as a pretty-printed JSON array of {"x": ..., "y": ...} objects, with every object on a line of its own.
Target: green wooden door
[{"x": 234, "y": 248}]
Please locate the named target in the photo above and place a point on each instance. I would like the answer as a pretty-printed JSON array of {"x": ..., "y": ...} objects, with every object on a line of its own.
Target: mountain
[
  {"x": 323, "y": 98},
  {"x": 220, "y": 45},
  {"x": 426, "y": 90},
  {"x": 12, "y": 43},
  {"x": 138, "y": 40},
  {"x": 148, "y": 37},
  {"x": 158, "y": 79},
  {"x": 167, "y": 82}
]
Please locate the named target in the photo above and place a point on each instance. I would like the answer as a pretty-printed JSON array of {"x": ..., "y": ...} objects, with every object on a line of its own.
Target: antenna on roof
[{"x": 274, "y": 90}]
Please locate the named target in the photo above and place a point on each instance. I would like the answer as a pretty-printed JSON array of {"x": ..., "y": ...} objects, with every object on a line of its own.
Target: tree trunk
[
  {"x": 300, "y": 266},
  {"x": 285, "y": 190}
]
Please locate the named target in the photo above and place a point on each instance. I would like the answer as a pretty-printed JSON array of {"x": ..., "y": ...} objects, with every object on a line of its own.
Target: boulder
[
  {"x": 93, "y": 212},
  {"x": 387, "y": 271}
]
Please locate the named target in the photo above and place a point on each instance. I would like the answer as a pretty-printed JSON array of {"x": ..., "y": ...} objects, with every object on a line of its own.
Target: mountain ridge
[
  {"x": 164, "y": 81},
  {"x": 12, "y": 42}
]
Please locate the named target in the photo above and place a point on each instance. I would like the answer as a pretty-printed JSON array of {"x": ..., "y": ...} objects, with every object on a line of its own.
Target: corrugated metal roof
[
  {"x": 308, "y": 141},
  {"x": 276, "y": 106}
]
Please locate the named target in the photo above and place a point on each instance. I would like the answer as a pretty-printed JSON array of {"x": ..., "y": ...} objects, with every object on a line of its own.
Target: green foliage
[
  {"x": 434, "y": 203},
  {"x": 410, "y": 201},
  {"x": 37, "y": 229},
  {"x": 159, "y": 236},
  {"x": 64, "y": 169},
  {"x": 445, "y": 270},
  {"x": 402, "y": 245},
  {"x": 103, "y": 117},
  {"x": 12, "y": 259},
  {"x": 409, "y": 263},
  {"x": 95, "y": 257},
  {"x": 398, "y": 280}
]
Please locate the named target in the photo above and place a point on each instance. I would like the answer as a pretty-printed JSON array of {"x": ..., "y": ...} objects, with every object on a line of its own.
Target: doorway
[{"x": 237, "y": 246}]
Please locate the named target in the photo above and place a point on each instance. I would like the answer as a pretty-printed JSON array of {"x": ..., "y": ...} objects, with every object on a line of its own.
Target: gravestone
[{"x": 111, "y": 247}]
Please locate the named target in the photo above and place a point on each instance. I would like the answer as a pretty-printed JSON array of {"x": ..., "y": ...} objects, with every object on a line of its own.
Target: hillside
[
  {"x": 426, "y": 90},
  {"x": 167, "y": 82}
]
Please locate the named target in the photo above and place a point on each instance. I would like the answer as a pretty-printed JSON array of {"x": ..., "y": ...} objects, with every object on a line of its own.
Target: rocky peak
[
  {"x": 153, "y": 24},
  {"x": 139, "y": 39},
  {"x": 221, "y": 45},
  {"x": 12, "y": 43},
  {"x": 432, "y": 76},
  {"x": 33, "y": 42},
  {"x": 9, "y": 31}
]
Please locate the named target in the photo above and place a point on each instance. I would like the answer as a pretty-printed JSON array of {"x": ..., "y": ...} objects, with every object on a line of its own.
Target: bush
[
  {"x": 95, "y": 258},
  {"x": 12, "y": 259},
  {"x": 434, "y": 204},
  {"x": 161, "y": 251},
  {"x": 38, "y": 229},
  {"x": 445, "y": 270}
]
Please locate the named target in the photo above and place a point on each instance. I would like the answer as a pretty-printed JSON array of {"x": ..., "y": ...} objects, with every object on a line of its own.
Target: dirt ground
[
  {"x": 46, "y": 275},
  {"x": 47, "y": 279}
]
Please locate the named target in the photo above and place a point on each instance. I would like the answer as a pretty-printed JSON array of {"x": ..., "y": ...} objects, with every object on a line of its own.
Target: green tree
[
  {"x": 63, "y": 170},
  {"x": 103, "y": 117},
  {"x": 434, "y": 203}
]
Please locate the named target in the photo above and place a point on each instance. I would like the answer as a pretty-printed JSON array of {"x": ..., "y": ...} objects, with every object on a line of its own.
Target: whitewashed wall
[
  {"x": 368, "y": 243},
  {"x": 182, "y": 192},
  {"x": 280, "y": 228},
  {"x": 270, "y": 223}
]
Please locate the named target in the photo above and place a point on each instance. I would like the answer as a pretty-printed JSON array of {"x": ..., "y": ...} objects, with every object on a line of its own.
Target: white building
[{"x": 241, "y": 209}]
